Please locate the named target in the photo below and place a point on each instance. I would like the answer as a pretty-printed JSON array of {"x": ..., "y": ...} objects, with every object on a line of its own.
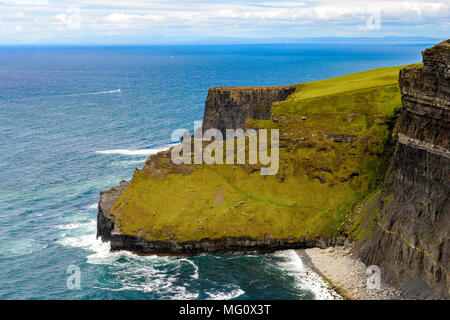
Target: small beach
[{"x": 345, "y": 273}]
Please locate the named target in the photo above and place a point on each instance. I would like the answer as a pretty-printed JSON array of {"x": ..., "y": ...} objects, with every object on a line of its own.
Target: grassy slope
[{"x": 318, "y": 183}]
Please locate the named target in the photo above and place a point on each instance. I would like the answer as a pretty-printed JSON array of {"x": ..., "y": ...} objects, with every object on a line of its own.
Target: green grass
[
  {"x": 319, "y": 183},
  {"x": 348, "y": 83}
]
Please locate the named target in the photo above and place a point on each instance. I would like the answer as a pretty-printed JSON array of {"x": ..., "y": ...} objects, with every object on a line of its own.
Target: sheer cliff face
[
  {"x": 228, "y": 107},
  {"x": 410, "y": 239}
]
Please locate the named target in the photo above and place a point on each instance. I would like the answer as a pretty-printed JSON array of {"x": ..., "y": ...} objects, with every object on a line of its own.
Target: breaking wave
[
  {"x": 305, "y": 277},
  {"x": 21, "y": 247},
  {"x": 148, "y": 274},
  {"x": 138, "y": 152},
  {"x": 195, "y": 275},
  {"x": 89, "y": 93},
  {"x": 225, "y": 295}
]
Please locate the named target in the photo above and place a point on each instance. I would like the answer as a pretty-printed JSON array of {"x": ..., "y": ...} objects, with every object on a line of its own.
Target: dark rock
[
  {"x": 410, "y": 238},
  {"x": 409, "y": 234},
  {"x": 174, "y": 247},
  {"x": 105, "y": 223},
  {"x": 228, "y": 107}
]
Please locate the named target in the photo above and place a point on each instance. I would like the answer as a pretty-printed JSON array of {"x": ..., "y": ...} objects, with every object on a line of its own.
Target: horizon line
[{"x": 241, "y": 41}]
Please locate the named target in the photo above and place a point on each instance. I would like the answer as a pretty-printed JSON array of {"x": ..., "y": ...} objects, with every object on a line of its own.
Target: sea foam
[
  {"x": 219, "y": 295},
  {"x": 89, "y": 93},
  {"x": 306, "y": 278},
  {"x": 21, "y": 247},
  {"x": 138, "y": 152},
  {"x": 131, "y": 272}
]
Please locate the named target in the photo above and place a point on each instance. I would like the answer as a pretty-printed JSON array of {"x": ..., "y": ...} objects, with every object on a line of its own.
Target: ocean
[{"x": 77, "y": 120}]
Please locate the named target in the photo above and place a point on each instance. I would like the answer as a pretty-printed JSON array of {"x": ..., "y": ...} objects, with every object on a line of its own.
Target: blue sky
[{"x": 184, "y": 21}]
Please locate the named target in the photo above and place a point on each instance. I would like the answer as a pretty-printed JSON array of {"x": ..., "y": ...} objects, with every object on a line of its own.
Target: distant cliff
[
  {"x": 411, "y": 220},
  {"x": 228, "y": 107}
]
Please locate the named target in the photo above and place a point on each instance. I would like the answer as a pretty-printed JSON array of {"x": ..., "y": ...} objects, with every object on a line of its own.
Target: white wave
[
  {"x": 306, "y": 278},
  {"x": 87, "y": 240},
  {"x": 101, "y": 251},
  {"x": 21, "y": 247},
  {"x": 175, "y": 293},
  {"x": 148, "y": 274},
  {"x": 103, "y": 255},
  {"x": 195, "y": 275},
  {"x": 128, "y": 163},
  {"x": 92, "y": 206},
  {"x": 102, "y": 92},
  {"x": 89, "y": 93},
  {"x": 75, "y": 225},
  {"x": 225, "y": 295},
  {"x": 138, "y": 152}
]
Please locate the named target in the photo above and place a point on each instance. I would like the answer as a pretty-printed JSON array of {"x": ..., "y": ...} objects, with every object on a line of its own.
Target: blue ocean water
[{"x": 67, "y": 132}]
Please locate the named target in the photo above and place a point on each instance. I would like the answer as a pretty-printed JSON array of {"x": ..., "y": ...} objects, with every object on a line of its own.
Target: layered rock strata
[
  {"x": 410, "y": 239},
  {"x": 228, "y": 107}
]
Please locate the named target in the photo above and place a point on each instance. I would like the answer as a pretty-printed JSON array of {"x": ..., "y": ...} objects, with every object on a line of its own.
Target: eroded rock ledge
[
  {"x": 228, "y": 107},
  {"x": 105, "y": 223},
  {"x": 144, "y": 247}
]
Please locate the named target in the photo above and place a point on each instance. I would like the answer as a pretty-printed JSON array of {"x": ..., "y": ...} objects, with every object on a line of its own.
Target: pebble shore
[{"x": 346, "y": 274}]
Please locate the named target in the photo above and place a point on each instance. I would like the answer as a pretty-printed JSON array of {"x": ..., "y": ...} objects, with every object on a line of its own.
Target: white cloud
[
  {"x": 72, "y": 18},
  {"x": 347, "y": 12},
  {"x": 124, "y": 18},
  {"x": 251, "y": 18},
  {"x": 283, "y": 4}
]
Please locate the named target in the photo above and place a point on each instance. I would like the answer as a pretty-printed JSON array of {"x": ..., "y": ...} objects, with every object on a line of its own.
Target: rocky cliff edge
[{"x": 406, "y": 231}]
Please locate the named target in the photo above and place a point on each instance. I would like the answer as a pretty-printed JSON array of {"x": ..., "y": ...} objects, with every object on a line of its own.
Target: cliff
[
  {"x": 363, "y": 157},
  {"x": 333, "y": 134},
  {"x": 229, "y": 107},
  {"x": 105, "y": 222},
  {"x": 405, "y": 227}
]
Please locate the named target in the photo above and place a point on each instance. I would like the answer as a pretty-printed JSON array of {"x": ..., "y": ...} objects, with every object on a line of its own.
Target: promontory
[{"x": 364, "y": 159}]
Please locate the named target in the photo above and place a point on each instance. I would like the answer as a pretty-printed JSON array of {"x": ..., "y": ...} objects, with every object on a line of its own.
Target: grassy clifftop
[{"x": 332, "y": 137}]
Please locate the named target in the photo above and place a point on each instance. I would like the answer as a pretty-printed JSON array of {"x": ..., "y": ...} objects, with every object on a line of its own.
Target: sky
[{"x": 191, "y": 21}]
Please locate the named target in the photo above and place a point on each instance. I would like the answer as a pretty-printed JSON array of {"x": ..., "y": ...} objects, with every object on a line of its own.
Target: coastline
[
  {"x": 345, "y": 273},
  {"x": 145, "y": 218}
]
